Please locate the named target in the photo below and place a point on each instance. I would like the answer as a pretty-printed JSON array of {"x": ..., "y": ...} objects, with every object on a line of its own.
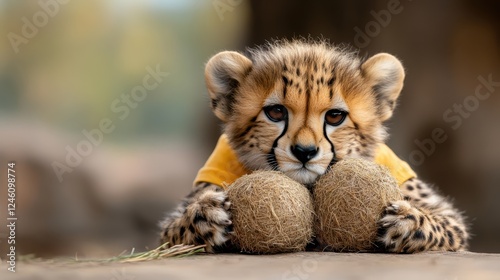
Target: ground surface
[{"x": 443, "y": 266}]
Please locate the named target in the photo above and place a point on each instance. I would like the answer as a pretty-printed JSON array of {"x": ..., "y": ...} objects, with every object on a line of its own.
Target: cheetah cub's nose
[{"x": 304, "y": 154}]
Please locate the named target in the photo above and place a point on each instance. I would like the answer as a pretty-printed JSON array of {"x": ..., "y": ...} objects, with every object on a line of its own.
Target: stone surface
[{"x": 309, "y": 265}]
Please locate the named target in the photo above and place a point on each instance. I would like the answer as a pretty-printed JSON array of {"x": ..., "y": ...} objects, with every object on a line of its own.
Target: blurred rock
[{"x": 110, "y": 203}]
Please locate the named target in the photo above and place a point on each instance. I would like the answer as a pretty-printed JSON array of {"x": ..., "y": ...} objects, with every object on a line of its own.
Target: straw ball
[
  {"x": 349, "y": 200},
  {"x": 271, "y": 213}
]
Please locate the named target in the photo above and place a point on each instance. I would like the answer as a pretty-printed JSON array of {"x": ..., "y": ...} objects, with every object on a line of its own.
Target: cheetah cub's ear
[
  {"x": 224, "y": 73},
  {"x": 384, "y": 74}
]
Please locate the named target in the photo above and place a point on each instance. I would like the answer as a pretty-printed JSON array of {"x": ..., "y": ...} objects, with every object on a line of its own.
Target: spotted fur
[
  {"x": 202, "y": 218},
  {"x": 310, "y": 82},
  {"x": 423, "y": 221}
]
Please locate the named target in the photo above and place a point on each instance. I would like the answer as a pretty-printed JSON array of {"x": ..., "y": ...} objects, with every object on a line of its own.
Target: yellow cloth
[
  {"x": 400, "y": 170},
  {"x": 223, "y": 167}
]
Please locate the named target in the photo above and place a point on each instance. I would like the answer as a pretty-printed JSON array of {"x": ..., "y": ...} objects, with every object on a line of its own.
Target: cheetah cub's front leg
[
  {"x": 202, "y": 218},
  {"x": 423, "y": 221}
]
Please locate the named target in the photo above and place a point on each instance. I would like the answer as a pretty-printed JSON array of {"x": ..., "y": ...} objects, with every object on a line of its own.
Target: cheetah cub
[{"x": 299, "y": 107}]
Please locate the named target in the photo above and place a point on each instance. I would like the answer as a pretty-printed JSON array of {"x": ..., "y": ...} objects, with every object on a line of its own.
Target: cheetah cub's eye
[
  {"x": 276, "y": 113},
  {"x": 335, "y": 117}
]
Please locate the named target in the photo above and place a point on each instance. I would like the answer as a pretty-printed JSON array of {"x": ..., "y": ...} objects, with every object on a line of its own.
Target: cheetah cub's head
[{"x": 299, "y": 107}]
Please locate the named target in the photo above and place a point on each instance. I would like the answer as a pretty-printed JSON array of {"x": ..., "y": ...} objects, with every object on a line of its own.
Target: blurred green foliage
[{"x": 91, "y": 52}]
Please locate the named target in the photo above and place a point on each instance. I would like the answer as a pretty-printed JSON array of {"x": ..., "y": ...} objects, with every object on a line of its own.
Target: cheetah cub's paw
[
  {"x": 206, "y": 220},
  {"x": 399, "y": 229}
]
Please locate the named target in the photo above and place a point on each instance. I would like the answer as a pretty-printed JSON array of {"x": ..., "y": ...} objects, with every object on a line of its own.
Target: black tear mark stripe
[
  {"x": 334, "y": 156},
  {"x": 271, "y": 157}
]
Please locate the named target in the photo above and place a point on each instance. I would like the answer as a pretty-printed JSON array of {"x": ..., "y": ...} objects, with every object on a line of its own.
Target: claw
[
  {"x": 227, "y": 205},
  {"x": 204, "y": 220}
]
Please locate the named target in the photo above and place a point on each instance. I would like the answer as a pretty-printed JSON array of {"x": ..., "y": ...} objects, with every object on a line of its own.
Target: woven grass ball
[
  {"x": 349, "y": 200},
  {"x": 271, "y": 213}
]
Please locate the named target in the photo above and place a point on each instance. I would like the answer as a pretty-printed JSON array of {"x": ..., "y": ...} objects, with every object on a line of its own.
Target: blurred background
[{"x": 130, "y": 74}]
